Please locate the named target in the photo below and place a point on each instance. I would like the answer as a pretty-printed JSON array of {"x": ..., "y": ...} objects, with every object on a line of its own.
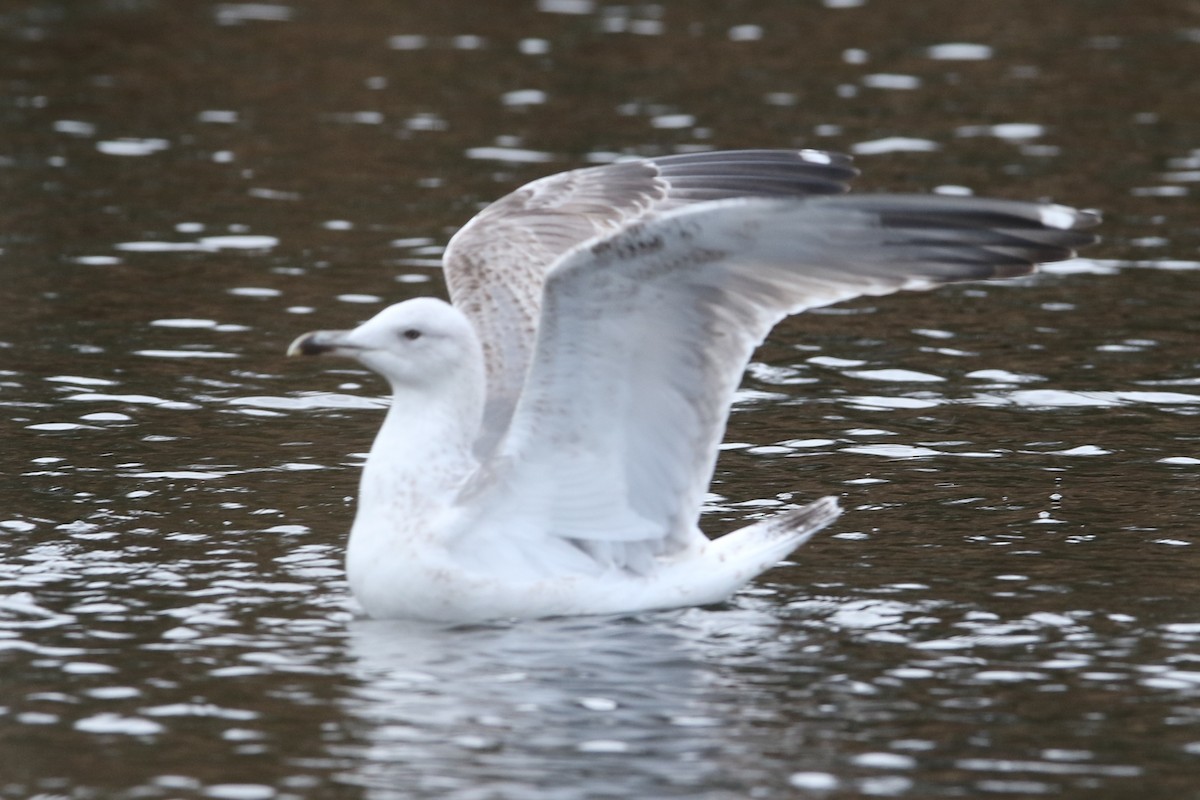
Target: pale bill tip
[{"x": 296, "y": 348}]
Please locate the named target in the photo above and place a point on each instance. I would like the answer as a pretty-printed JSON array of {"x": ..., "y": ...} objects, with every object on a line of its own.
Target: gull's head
[{"x": 418, "y": 343}]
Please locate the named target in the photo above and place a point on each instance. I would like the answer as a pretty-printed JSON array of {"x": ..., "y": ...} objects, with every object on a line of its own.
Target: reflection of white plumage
[{"x": 552, "y": 433}]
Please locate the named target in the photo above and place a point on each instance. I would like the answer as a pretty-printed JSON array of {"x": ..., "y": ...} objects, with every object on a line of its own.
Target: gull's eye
[{"x": 411, "y": 333}]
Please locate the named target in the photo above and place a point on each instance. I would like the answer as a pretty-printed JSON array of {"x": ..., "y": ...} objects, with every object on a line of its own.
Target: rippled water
[{"x": 1008, "y": 608}]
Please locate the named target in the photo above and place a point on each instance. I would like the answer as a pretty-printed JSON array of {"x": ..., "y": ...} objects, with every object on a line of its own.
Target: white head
[{"x": 420, "y": 344}]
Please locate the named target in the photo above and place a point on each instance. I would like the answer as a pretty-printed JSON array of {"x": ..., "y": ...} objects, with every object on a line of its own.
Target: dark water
[{"x": 1009, "y": 608}]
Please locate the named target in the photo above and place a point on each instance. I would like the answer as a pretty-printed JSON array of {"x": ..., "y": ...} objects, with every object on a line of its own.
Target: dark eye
[{"x": 411, "y": 333}]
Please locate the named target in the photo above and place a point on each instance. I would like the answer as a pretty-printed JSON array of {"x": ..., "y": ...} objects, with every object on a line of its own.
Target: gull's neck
[{"x": 422, "y": 452}]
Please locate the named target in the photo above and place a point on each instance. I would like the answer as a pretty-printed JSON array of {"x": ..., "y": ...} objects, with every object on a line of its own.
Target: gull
[{"x": 553, "y": 431}]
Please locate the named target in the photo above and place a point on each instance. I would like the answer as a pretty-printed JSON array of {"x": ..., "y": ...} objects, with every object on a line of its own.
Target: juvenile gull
[{"x": 553, "y": 432}]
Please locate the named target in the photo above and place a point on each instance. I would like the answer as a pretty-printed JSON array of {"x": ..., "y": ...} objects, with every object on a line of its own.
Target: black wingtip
[{"x": 718, "y": 174}]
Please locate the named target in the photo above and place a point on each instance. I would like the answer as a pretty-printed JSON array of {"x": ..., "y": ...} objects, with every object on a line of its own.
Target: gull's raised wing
[
  {"x": 496, "y": 265},
  {"x": 644, "y": 336}
]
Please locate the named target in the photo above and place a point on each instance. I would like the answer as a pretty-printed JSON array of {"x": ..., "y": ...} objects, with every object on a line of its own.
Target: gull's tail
[
  {"x": 760, "y": 546},
  {"x": 728, "y": 563}
]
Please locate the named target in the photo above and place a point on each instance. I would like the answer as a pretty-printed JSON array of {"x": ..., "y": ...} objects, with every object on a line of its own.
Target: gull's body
[{"x": 553, "y": 432}]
